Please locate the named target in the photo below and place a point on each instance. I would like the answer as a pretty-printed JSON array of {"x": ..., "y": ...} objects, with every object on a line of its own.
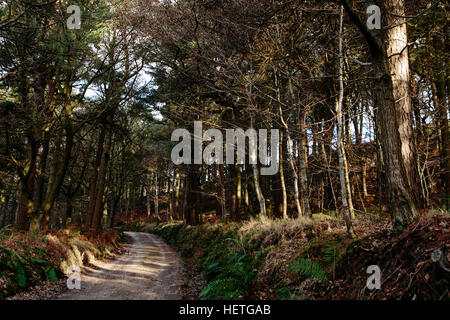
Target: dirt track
[{"x": 150, "y": 270}]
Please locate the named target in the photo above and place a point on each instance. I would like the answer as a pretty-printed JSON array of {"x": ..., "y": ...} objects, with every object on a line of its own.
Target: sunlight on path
[{"x": 150, "y": 270}]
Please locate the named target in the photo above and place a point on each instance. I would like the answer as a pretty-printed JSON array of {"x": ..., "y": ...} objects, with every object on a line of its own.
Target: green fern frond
[
  {"x": 331, "y": 256},
  {"x": 308, "y": 268},
  {"x": 224, "y": 288},
  {"x": 284, "y": 293},
  {"x": 20, "y": 274}
]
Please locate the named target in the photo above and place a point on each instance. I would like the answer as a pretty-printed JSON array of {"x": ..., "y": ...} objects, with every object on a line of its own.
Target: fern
[
  {"x": 225, "y": 288},
  {"x": 20, "y": 274},
  {"x": 212, "y": 270},
  {"x": 284, "y": 293},
  {"x": 310, "y": 269},
  {"x": 37, "y": 261},
  {"x": 331, "y": 256},
  {"x": 51, "y": 274},
  {"x": 41, "y": 252}
]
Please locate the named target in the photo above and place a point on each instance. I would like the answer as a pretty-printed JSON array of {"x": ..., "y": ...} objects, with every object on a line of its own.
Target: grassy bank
[
  {"x": 249, "y": 260},
  {"x": 27, "y": 260},
  {"x": 313, "y": 259}
]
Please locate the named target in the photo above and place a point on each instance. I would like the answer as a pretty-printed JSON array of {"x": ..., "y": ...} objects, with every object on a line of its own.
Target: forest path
[{"x": 150, "y": 270}]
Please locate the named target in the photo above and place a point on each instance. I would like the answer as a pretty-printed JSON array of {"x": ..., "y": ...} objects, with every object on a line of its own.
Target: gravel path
[{"x": 150, "y": 270}]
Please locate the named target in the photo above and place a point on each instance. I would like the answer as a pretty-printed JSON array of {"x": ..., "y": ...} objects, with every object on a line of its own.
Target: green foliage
[
  {"x": 41, "y": 252},
  {"x": 213, "y": 270},
  {"x": 26, "y": 269},
  {"x": 284, "y": 293},
  {"x": 261, "y": 254},
  {"x": 186, "y": 250},
  {"x": 51, "y": 274},
  {"x": 138, "y": 226},
  {"x": 224, "y": 257},
  {"x": 37, "y": 261},
  {"x": 4, "y": 228},
  {"x": 223, "y": 288},
  {"x": 20, "y": 274},
  {"x": 331, "y": 255},
  {"x": 230, "y": 277},
  {"x": 307, "y": 268}
]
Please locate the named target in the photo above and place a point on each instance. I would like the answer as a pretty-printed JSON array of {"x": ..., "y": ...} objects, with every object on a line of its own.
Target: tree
[{"x": 393, "y": 115}]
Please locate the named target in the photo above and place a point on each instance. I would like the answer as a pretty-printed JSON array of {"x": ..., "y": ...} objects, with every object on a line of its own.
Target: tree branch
[{"x": 374, "y": 45}]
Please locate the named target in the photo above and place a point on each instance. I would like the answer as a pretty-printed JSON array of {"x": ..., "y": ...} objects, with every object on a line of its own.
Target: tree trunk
[
  {"x": 303, "y": 161},
  {"x": 177, "y": 195},
  {"x": 440, "y": 102},
  {"x": 93, "y": 186},
  {"x": 326, "y": 164},
  {"x": 42, "y": 169},
  {"x": 156, "y": 196},
  {"x": 239, "y": 191},
  {"x": 192, "y": 199},
  {"x": 25, "y": 206},
  {"x": 364, "y": 177},
  {"x": 294, "y": 172},
  {"x": 348, "y": 184},
  {"x": 396, "y": 42},
  {"x": 98, "y": 212},
  {"x": 340, "y": 138},
  {"x": 41, "y": 217},
  {"x": 222, "y": 195},
  {"x": 400, "y": 194},
  {"x": 67, "y": 213},
  {"x": 149, "y": 196},
  {"x": 259, "y": 194},
  {"x": 291, "y": 155},
  {"x": 282, "y": 181}
]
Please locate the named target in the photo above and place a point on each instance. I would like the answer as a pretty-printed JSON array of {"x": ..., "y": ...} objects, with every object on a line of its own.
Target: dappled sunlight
[{"x": 147, "y": 271}]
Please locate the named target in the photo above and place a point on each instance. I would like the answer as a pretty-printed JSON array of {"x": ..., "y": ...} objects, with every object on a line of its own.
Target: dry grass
[
  {"x": 265, "y": 224},
  {"x": 60, "y": 249}
]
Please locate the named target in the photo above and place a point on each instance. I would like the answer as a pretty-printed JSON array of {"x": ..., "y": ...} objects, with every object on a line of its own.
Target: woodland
[{"x": 87, "y": 115}]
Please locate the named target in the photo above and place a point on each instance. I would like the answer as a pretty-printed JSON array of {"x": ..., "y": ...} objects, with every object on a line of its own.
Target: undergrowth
[
  {"x": 304, "y": 259},
  {"x": 228, "y": 267},
  {"x": 233, "y": 256},
  {"x": 28, "y": 259}
]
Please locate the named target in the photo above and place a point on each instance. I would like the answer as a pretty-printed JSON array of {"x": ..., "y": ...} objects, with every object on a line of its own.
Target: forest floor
[
  {"x": 147, "y": 269},
  {"x": 32, "y": 266},
  {"x": 257, "y": 259},
  {"x": 313, "y": 259}
]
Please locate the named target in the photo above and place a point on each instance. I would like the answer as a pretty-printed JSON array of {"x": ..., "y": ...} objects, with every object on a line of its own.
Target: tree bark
[
  {"x": 93, "y": 186},
  {"x": 440, "y": 98},
  {"x": 340, "y": 138},
  {"x": 98, "y": 212},
  {"x": 303, "y": 162},
  {"x": 239, "y": 192},
  {"x": 156, "y": 196},
  {"x": 364, "y": 177},
  {"x": 259, "y": 194},
  {"x": 401, "y": 200},
  {"x": 149, "y": 196},
  {"x": 40, "y": 218},
  {"x": 282, "y": 180},
  {"x": 27, "y": 175},
  {"x": 396, "y": 43}
]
